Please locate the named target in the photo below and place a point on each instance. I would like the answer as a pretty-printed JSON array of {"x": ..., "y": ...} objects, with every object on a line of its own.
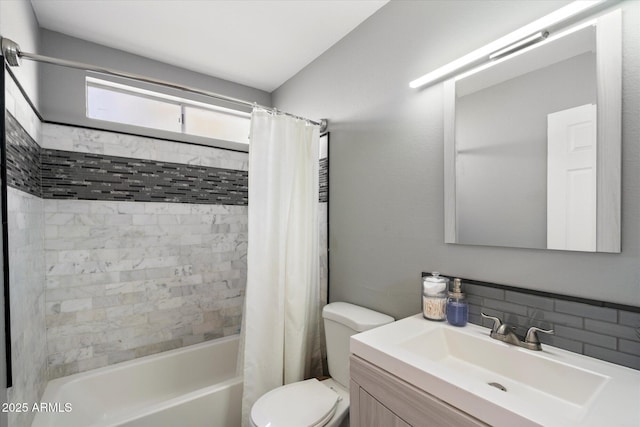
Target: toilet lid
[{"x": 302, "y": 404}]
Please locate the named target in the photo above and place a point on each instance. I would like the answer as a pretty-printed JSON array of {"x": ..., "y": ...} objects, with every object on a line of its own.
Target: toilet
[{"x": 313, "y": 403}]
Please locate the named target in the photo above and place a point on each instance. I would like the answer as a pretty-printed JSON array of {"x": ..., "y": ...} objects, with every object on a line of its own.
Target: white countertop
[{"x": 614, "y": 401}]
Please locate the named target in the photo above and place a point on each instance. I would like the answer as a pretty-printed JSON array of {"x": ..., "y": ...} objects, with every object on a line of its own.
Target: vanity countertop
[{"x": 502, "y": 384}]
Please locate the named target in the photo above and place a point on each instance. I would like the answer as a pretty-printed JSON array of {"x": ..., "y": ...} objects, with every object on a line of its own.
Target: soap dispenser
[{"x": 457, "y": 307}]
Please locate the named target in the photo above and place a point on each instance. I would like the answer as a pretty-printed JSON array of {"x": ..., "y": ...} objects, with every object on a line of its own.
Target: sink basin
[
  {"x": 540, "y": 380},
  {"x": 499, "y": 383}
]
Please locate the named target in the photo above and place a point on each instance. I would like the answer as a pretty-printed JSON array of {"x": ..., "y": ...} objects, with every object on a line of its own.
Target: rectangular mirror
[{"x": 533, "y": 147}]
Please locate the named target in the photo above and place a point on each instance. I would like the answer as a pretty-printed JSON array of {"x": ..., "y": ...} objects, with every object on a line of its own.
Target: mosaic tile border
[
  {"x": 324, "y": 180},
  {"x": 61, "y": 174},
  {"x": 23, "y": 158},
  {"x": 82, "y": 176}
]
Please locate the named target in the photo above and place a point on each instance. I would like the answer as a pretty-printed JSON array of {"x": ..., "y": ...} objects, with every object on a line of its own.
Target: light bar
[
  {"x": 507, "y": 41},
  {"x": 528, "y": 41},
  {"x": 524, "y": 49}
]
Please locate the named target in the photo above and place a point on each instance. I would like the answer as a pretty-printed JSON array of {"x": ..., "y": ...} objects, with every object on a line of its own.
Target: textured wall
[{"x": 386, "y": 207}]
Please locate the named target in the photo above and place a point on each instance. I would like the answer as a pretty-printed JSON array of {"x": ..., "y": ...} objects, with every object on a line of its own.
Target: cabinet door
[
  {"x": 416, "y": 407},
  {"x": 374, "y": 414}
]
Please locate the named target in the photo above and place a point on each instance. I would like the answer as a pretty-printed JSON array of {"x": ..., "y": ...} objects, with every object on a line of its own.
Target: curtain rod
[{"x": 12, "y": 53}]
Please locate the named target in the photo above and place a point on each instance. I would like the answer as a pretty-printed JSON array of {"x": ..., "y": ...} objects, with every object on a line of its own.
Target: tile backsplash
[{"x": 605, "y": 331}]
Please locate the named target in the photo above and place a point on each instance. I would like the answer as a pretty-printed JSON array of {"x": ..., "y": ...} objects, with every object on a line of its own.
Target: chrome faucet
[{"x": 505, "y": 333}]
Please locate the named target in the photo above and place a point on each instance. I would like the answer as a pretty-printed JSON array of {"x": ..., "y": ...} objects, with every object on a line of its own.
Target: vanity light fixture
[
  {"x": 527, "y": 41},
  {"x": 517, "y": 50},
  {"x": 522, "y": 37}
]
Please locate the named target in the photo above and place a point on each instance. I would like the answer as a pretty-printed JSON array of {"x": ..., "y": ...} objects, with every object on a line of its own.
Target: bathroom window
[{"x": 115, "y": 102}]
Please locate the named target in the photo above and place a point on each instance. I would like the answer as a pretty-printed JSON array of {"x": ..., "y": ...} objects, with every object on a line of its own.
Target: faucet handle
[
  {"x": 532, "y": 336},
  {"x": 496, "y": 321}
]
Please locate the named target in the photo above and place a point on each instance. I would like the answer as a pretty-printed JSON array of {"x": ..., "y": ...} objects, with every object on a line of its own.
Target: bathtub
[{"x": 193, "y": 386}]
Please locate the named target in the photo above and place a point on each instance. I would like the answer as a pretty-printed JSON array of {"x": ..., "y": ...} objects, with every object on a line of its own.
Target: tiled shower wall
[
  {"x": 323, "y": 220},
  {"x": 145, "y": 245},
  {"x": 128, "y": 279},
  {"x": 121, "y": 246},
  {"x": 26, "y": 254}
]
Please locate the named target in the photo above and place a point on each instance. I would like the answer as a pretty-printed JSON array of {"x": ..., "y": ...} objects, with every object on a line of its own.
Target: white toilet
[{"x": 314, "y": 403}]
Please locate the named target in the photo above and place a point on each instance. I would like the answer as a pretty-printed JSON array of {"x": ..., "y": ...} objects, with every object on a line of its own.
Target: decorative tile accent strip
[
  {"x": 23, "y": 158},
  {"x": 57, "y": 174},
  {"x": 324, "y": 180},
  {"x": 82, "y": 176},
  {"x": 605, "y": 331},
  {"x": 60, "y": 174}
]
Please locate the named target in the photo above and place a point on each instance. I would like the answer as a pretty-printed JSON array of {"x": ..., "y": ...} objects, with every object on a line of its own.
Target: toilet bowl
[
  {"x": 310, "y": 403},
  {"x": 313, "y": 403}
]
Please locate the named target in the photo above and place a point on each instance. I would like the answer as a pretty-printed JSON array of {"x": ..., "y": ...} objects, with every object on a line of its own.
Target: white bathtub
[{"x": 193, "y": 386}]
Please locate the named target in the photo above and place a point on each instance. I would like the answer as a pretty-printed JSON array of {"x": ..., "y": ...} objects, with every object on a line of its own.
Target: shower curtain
[{"x": 281, "y": 319}]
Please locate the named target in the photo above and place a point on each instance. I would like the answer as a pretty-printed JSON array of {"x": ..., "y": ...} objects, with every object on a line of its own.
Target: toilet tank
[{"x": 341, "y": 320}]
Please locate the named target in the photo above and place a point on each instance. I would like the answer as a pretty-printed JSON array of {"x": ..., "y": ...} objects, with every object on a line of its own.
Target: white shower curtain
[{"x": 281, "y": 317}]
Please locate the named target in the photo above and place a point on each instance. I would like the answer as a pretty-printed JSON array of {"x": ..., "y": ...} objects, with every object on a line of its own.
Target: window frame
[{"x": 182, "y": 102}]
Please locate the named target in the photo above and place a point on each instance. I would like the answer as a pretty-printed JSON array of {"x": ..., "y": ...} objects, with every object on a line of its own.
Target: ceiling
[{"x": 258, "y": 43}]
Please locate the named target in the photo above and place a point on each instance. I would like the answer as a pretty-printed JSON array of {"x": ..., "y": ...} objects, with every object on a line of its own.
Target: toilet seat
[{"x": 302, "y": 404}]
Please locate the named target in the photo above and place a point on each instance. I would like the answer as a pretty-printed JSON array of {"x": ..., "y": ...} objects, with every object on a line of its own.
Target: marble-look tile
[
  {"x": 130, "y": 278},
  {"x": 70, "y": 138},
  {"x": 323, "y": 220},
  {"x": 26, "y": 281},
  {"x": 17, "y": 105},
  {"x": 127, "y": 279}
]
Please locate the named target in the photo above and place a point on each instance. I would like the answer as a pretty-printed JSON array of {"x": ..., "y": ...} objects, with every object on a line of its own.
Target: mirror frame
[{"x": 609, "y": 154}]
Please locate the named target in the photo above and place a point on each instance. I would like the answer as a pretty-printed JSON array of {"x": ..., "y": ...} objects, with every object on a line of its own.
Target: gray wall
[
  {"x": 18, "y": 23},
  {"x": 501, "y": 152},
  {"x": 57, "y": 83},
  {"x": 386, "y": 207}
]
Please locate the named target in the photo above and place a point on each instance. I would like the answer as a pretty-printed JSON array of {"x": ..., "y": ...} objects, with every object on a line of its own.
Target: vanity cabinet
[{"x": 380, "y": 399}]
